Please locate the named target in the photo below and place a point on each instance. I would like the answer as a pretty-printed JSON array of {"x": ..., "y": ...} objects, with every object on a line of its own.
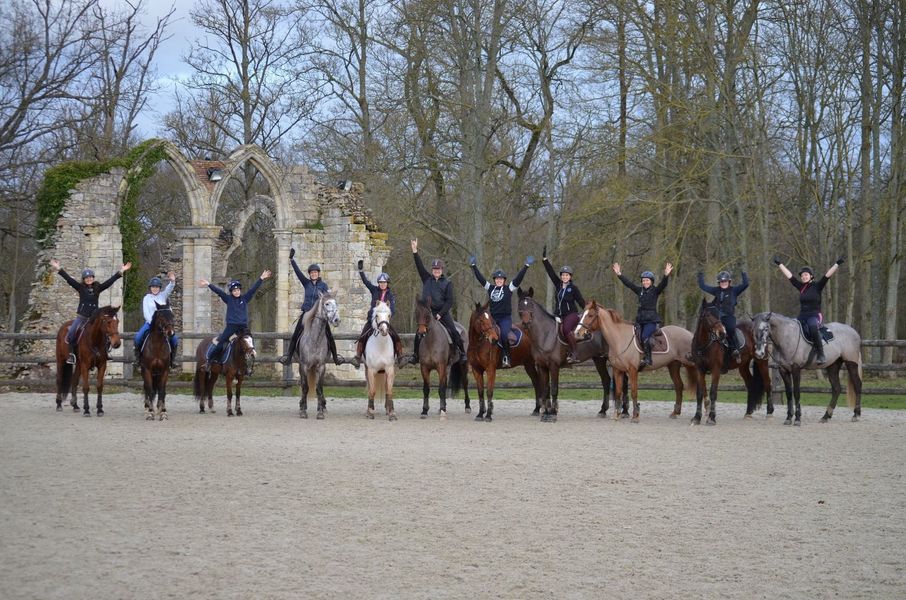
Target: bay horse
[
  {"x": 99, "y": 334},
  {"x": 155, "y": 363},
  {"x": 380, "y": 361},
  {"x": 549, "y": 354},
  {"x": 711, "y": 355},
  {"x": 485, "y": 356},
  {"x": 792, "y": 353},
  {"x": 239, "y": 365},
  {"x": 435, "y": 354},
  {"x": 625, "y": 353},
  {"x": 313, "y": 351}
]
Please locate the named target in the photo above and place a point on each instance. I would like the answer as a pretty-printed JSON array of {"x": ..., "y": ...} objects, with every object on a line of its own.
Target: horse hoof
[
  {"x": 320, "y": 416},
  {"x": 824, "y": 419},
  {"x": 552, "y": 419},
  {"x": 696, "y": 421},
  {"x": 479, "y": 417},
  {"x": 303, "y": 414},
  {"x": 748, "y": 416},
  {"x": 443, "y": 415},
  {"x": 59, "y": 408},
  {"x": 710, "y": 422},
  {"x": 624, "y": 415},
  {"x": 392, "y": 417},
  {"x": 75, "y": 408},
  {"x": 370, "y": 415},
  {"x": 86, "y": 414},
  {"x": 634, "y": 420},
  {"x": 212, "y": 411},
  {"x": 855, "y": 418},
  {"x": 536, "y": 412},
  {"x": 149, "y": 417},
  {"x": 423, "y": 416},
  {"x": 488, "y": 419},
  {"x": 788, "y": 422},
  {"x": 673, "y": 415},
  {"x": 238, "y": 413},
  {"x": 164, "y": 417},
  {"x": 201, "y": 411},
  {"x": 797, "y": 423},
  {"x": 602, "y": 414},
  {"x": 468, "y": 410},
  {"x": 100, "y": 413}
]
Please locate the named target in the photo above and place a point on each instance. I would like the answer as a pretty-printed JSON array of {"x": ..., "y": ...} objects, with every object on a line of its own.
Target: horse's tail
[
  {"x": 457, "y": 375},
  {"x": 691, "y": 387},
  {"x": 851, "y": 387},
  {"x": 198, "y": 383},
  {"x": 66, "y": 372},
  {"x": 756, "y": 391}
]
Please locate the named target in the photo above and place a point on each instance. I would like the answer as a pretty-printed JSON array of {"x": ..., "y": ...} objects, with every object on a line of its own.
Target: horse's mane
[
  {"x": 109, "y": 311},
  {"x": 541, "y": 308},
  {"x": 615, "y": 315},
  {"x": 310, "y": 315}
]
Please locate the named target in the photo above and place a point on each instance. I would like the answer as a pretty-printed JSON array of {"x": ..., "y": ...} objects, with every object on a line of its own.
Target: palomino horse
[
  {"x": 435, "y": 354},
  {"x": 380, "y": 362},
  {"x": 711, "y": 355},
  {"x": 156, "y": 361},
  {"x": 239, "y": 365},
  {"x": 792, "y": 354},
  {"x": 99, "y": 334},
  {"x": 485, "y": 355},
  {"x": 625, "y": 354},
  {"x": 313, "y": 351},
  {"x": 549, "y": 354}
]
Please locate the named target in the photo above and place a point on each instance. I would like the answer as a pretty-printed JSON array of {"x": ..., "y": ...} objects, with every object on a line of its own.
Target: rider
[
  {"x": 810, "y": 301},
  {"x": 379, "y": 293},
  {"x": 647, "y": 316},
  {"x": 500, "y": 299},
  {"x": 237, "y": 312},
  {"x": 725, "y": 297},
  {"x": 314, "y": 286},
  {"x": 89, "y": 294},
  {"x": 149, "y": 306},
  {"x": 569, "y": 302},
  {"x": 437, "y": 291}
]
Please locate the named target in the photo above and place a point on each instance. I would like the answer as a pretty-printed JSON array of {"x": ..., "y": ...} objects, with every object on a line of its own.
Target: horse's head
[
  {"x": 163, "y": 320},
  {"x": 482, "y": 323},
  {"x": 380, "y": 318},
  {"x": 588, "y": 322},
  {"x": 422, "y": 316},
  {"x": 330, "y": 309},
  {"x": 709, "y": 324},
  {"x": 526, "y": 305},
  {"x": 106, "y": 321},
  {"x": 761, "y": 330},
  {"x": 245, "y": 347}
]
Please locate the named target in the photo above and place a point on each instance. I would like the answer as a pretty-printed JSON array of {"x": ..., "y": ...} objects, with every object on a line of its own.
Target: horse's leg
[
  {"x": 764, "y": 371},
  {"x": 601, "y": 366},
  {"x": 492, "y": 378},
  {"x": 634, "y": 387},
  {"x": 389, "y": 376},
  {"x": 303, "y": 401},
  {"x": 148, "y": 387},
  {"x": 555, "y": 392},
  {"x": 370, "y": 378},
  {"x": 211, "y": 379},
  {"x": 239, "y": 376},
  {"x": 102, "y": 368},
  {"x": 442, "y": 388},
  {"x": 855, "y": 383},
  {"x": 699, "y": 396},
  {"x": 319, "y": 392},
  {"x": 715, "y": 384},
  {"x": 162, "y": 393},
  {"x": 479, "y": 385},
  {"x": 532, "y": 372},
  {"x": 674, "y": 369},
  {"x": 618, "y": 381},
  {"x": 465, "y": 386},
  {"x": 83, "y": 377},
  {"x": 747, "y": 380},
  {"x": 74, "y": 387},
  {"x": 833, "y": 376},
  {"x": 544, "y": 375},
  {"x": 229, "y": 386},
  {"x": 787, "y": 378},
  {"x": 426, "y": 388}
]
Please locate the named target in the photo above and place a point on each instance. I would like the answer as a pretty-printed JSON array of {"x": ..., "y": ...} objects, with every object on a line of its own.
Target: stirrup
[
  {"x": 505, "y": 363},
  {"x": 285, "y": 359},
  {"x": 71, "y": 359}
]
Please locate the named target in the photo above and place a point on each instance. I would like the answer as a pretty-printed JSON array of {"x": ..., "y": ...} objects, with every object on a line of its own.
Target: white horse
[{"x": 380, "y": 363}]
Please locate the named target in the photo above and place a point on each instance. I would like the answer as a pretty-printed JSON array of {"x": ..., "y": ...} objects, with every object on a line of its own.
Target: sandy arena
[{"x": 271, "y": 506}]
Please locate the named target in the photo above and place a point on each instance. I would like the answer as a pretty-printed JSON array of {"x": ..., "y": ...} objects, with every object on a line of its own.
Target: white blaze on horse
[{"x": 380, "y": 362}]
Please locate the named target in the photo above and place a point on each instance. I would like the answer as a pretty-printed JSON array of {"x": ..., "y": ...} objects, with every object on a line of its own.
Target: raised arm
[
  {"x": 110, "y": 281},
  {"x": 484, "y": 282},
  {"x": 744, "y": 285},
  {"x": 629, "y": 283},
  {"x": 251, "y": 293},
  {"x": 662, "y": 284},
  {"x": 223, "y": 295},
  {"x": 786, "y": 272},
  {"x": 708, "y": 289},
  {"x": 68, "y": 279},
  {"x": 517, "y": 280},
  {"x": 834, "y": 267},
  {"x": 371, "y": 287},
  {"x": 302, "y": 278},
  {"x": 423, "y": 273}
]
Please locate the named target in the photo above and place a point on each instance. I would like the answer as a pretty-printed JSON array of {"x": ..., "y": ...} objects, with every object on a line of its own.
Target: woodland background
[{"x": 711, "y": 134}]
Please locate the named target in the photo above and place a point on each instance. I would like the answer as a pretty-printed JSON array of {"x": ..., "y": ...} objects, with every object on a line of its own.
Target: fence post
[{"x": 127, "y": 355}]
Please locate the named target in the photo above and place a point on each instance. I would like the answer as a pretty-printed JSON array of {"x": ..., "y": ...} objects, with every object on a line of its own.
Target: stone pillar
[
  {"x": 284, "y": 276},
  {"x": 197, "y": 243}
]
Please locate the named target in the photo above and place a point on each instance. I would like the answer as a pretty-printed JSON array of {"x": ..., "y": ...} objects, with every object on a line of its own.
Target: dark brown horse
[
  {"x": 99, "y": 334},
  {"x": 549, "y": 354},
  {"x": 485, "y": 355},
  {"x": 711, "y": 355},
  {"x": 435, "y": 354},
  {"x": 238, "y": 366},
  {"x": 156, "y": 361}
]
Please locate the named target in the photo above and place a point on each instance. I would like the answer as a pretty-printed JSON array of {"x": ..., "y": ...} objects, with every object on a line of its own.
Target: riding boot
[
  {"x": 505, "y": 363},
  {"x": 462, "y": 351},
  {"x": 359, "y": 351},
  {"x": 72, "y": 354},
  {"x": 733, "y": 349},
  {"x": 173, "y": 356},
  {"x": 291, "y": 348},
  {"x": 208, "y": 357},
  {"x": 571, "y": 355},
  {"x": 418, "y": 341},
  {"x": 646, "y": 362},
  {"x": 819, "y": 346},
  {"x": 332, "y": 346},
  {"x": 136, "y": 356}
]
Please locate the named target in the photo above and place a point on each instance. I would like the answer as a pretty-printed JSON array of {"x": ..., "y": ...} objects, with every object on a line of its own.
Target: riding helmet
[
  {"x": 314, "y": 267},
  {"x": 498, "y": 273},
  {"x": 437, "y": 264},
  {"x": 383, "y": 277},
  {"x": 566, "y": 269},
  {"x": 806, "y": 270},
  {"x": 86, "y": 273},
  {"x": 234, "y": 284},
  {"x": 155, "y": 282},
  {"x": 647, "y": 275},
  {"x": 724, "y": 276}
]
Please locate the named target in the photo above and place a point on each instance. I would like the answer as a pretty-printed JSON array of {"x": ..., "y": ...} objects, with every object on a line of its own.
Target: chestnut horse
[
  {"x": 156, "y": 361},
  {"x": 238, "y": 366},
  {"x": 625, "y": 354},
  {"x": 485, "y": 355},
  {"x": 99, "y": 334},
  {"x": 711, "y": 355}
]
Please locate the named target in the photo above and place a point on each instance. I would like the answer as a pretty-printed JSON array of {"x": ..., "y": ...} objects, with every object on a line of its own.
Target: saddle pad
[
  {"x": 826, "y": 334},
  {"x": 659, "y": 342},
  {"x": 514, "y": 335},
  {"x": 740, "y": 339}
]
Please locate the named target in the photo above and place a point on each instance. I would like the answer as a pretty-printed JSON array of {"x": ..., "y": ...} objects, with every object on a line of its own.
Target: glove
[
  {"x": 472, "y": 261},
  {"x": 529, "y": 260},
  {"x": 544, "y": 253},
  {"x": 292, "y": 253},
  {"x": 841, "y": 260},
  {"x": 777, "y": 260},
  {"x": 360, "y": 264}
]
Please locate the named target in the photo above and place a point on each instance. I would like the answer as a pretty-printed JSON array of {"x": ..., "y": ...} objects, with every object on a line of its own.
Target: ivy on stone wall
[{"x": 140, "y": 164}]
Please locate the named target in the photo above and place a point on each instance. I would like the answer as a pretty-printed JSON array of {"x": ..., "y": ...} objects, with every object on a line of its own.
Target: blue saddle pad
[{"x": 515, "y": 336}]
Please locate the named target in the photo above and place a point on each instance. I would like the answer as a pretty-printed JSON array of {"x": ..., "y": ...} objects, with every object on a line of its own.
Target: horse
[
  {"x": 380, "y": 362},
  {"x": 485, "y": 355},
  {"x": 99, "y": 334},
  {"x": 711, "y": 355},
  {"x": 625, "y": 353},
  {"x": 155, "y": 363},
  {"x": 435, "y": 354},
  {"x": 313, "y": 351},
  {"x": 792, "y": 354},
  {"x": 239, "y": 365},
  {"x": 549, "y": 354}
]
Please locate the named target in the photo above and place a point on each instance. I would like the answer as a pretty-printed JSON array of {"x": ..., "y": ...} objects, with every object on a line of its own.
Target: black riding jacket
[
  {"x": 809, "y": 295},
  {"x": 437, "y": 292},
  {"x": 501, "y": 297},
  {"x": 648, "y": 298},
  {"x": 376, "y": 294},
  {"x": 724, "y": 299},
  {"x": 569, "y": 299},
  {"x": 89, "y": 295}
]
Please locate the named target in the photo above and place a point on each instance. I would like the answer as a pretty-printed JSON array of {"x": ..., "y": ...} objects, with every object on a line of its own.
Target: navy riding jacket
[
  {"x": 237, "y": 312},
  {"x": 724, "y": 299}
]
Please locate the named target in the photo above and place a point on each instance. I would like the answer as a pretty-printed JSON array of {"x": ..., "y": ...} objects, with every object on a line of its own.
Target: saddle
[
  {"x": 659, "y": 342},
  {"x": 740, "y": 339},
  {"x": 226, "y": 353},
  {"x": 826, "y": 334},
  {"x": 514, "y": 335}
]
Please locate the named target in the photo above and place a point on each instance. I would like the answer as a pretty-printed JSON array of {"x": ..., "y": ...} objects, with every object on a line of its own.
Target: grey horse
[
  {"x": 313, "y": 351},
  {"x": 792, "y": 354}
]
